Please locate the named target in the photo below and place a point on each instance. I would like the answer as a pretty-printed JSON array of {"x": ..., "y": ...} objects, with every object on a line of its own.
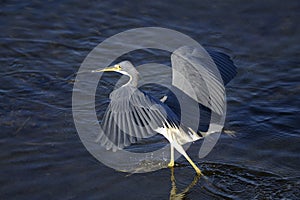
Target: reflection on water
[{"x": 174, "y": 194}]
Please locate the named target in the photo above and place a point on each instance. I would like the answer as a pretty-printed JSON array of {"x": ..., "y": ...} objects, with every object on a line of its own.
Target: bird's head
[{"x": 124, "y": 67}]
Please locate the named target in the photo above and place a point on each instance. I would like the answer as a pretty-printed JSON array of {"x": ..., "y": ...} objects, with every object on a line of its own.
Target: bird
[{"x": 133, "y": 114}]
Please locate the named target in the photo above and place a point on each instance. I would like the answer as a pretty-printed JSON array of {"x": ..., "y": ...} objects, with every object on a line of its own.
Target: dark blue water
[{"x": 42, "y": 46}]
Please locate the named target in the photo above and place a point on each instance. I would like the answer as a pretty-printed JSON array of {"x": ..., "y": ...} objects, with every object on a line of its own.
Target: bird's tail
[
  {"x": 193, "y": 135},
  {"x": 228, "y": 132}
]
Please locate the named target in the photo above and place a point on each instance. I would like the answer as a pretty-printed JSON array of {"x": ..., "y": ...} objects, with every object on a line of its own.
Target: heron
[{"x": 141, "y": 115}]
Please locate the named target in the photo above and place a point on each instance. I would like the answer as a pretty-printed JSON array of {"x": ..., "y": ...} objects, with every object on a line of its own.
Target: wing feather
[
  {"x": 132, "y": 116},
  {"x": 196, "y": 74}
]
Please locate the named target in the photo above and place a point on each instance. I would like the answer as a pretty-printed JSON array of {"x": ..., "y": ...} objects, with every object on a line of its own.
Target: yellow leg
[
  {"x": 198, "y": 171},
  {"x": 171, "y": 163},
  {"x": 182, "y": 151}
]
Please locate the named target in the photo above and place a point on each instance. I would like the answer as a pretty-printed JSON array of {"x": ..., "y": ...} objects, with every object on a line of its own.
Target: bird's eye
[{"x": 118, "y": 67}]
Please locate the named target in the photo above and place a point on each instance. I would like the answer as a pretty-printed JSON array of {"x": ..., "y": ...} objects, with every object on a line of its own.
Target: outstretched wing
[
  {"x": 224, "y": 64},
  {"x": 195, "y": 74},
  {"x": 227, "y": 70},
  {"x": 131, "y": 116}
]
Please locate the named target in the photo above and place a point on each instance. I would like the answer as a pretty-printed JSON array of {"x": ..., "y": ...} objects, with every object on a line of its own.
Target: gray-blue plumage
[
  {"x": 227, "y": 70},
  {"x": 133, "y": 115}
]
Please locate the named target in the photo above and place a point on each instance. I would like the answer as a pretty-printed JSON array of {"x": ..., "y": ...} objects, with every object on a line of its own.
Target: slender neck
[{"x": 133, "y": 81}]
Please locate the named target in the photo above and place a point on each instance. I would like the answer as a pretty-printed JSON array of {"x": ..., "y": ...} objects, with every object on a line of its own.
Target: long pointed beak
[{"x": 108, "y": 69}]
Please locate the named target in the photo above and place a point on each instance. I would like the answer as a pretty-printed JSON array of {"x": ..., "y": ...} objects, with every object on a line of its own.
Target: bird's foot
[
  {"x": 198, "y": 172},
  {"x": 171, "y": 164}
]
